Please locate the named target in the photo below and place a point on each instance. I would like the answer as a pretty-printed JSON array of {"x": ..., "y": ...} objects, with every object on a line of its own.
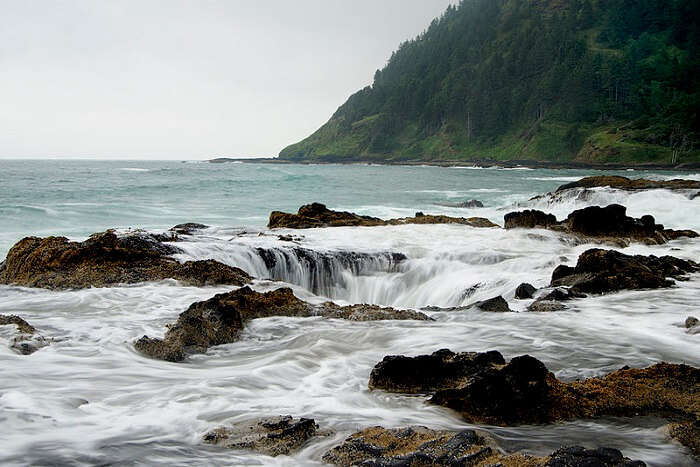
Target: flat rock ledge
[
  {"x": 274, "y": 436},
  {"x": 26, "y": 341},
  {"x": 418, "y": 446},
  {"x": 609, "y": 224},
  {"x": 486, "y": 390},
  {"x": 318, "y": 215},
  {"x": 220, "y": 319},
  {"x": 107, "y": 259}
]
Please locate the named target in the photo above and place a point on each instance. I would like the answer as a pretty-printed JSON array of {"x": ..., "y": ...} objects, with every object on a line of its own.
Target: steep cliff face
[{"x": 586, "y": 80}]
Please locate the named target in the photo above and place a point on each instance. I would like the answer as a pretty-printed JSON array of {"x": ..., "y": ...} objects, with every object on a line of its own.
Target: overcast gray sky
[{"x": 190, "y": 79}]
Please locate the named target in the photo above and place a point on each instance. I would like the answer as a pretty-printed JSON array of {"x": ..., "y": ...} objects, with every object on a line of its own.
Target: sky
[{"x": 194, "y": 79}]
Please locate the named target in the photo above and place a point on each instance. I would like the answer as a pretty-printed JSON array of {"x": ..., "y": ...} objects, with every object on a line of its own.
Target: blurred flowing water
[{"x": 89, "y": 398}]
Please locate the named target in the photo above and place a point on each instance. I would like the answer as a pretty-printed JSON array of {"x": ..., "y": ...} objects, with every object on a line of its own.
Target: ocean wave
[{"x": 134, "y": 169}]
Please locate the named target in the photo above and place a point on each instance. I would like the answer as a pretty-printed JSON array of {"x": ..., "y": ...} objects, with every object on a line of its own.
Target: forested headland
[{"x": 594, "y": 81}]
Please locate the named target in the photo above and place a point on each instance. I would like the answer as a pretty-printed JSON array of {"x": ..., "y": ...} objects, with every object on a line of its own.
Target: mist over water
[{"x": 89, "y": 398}]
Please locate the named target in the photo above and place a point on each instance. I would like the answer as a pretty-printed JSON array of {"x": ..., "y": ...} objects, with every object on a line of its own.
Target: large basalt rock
[
  {"x": 318, "y": 215},
  {"x": 418, "y": 446},
  {"x": 610, "y": 223},
  {"x": 529, "y": 219},
  {"x": 26, "y": 341},
  {"x": 510, "y": 394},
  {"x": 624, "y": 183},
  {"x": 276, "y": 436},
  {"x": 601, "y": 271},
  {"x": 220, "y": 319},
  {"x": 107, "y": 259},
  {"x": 443, "y": 369},
  {"x": 523, "y": 391}
]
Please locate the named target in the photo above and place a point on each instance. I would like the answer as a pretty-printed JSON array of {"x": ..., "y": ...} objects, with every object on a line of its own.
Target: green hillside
[{"x": 558, "y": 80}]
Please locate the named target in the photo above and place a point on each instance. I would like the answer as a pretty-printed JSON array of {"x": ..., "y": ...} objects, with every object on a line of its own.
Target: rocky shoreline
[
  {"x": 485, "y": 163},
  {"x": 482, "y": 387}
]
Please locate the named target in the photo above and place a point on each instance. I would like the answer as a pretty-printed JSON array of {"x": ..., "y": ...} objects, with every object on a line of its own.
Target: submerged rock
[
  {"x": 524, "y": 391},
  {"x": 189, "y": 228},
  {"x": 624, "y": 183},
  {"x": 525, "y": 291},
  {"x": 609, "y": 223},
  {"x": 220, "y": 319},
  {"x": 495, "y": 304},
  {"x": 545, "y": 306},
  {"x": 276, "y": 436},
  {"x": 418, "y": 446},
  {"x": 318, "y": 215},
  {"x": 107, "y": 259},
  {"x": 27, "y": 341},
  {"x": 472, "y": 203},
  {"x": 601, "y": 271}
]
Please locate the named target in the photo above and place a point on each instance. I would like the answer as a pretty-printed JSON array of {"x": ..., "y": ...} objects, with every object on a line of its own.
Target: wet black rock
[
  {"x": 601, "y": 271},
  {"x": 529, "y": 219},
  {"x": 525, "y": 291},
  {"x": 427, "y": 373},
  {"x": 516, "y": 392},
  {"x": 495, "y": 304},
  {"x": 578, "y": 456},
  {"x": 607, "y": 224}
]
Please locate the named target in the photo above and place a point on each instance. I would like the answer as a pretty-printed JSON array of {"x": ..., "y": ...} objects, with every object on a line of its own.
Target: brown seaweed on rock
[
  {"x": 220, "y": 319},
  {"x": 107, "y": 259},
  {"x": 418, "y": 446},
  {"x": 275, "y": 436},
  {"x": 318, "y": 215}
]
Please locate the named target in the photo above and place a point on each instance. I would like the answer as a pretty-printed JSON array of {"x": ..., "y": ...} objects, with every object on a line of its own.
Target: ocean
[{"x": 89, "y": 398}]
